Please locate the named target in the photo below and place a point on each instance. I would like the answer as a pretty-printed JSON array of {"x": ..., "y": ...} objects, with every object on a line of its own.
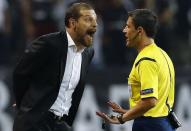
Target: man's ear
[
  {"x": 72, "y": 22},
  {"x": 140, "y": 29}
]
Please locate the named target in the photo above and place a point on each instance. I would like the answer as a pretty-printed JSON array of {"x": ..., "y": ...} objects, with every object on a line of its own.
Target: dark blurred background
[{"x": 23, "y": 20}]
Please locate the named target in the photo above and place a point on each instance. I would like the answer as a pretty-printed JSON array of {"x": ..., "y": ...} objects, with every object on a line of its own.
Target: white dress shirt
[{"x": 70, "y": 79}]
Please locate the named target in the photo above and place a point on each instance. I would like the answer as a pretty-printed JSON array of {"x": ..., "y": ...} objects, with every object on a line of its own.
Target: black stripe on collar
[{"x": 144, "y": 58}]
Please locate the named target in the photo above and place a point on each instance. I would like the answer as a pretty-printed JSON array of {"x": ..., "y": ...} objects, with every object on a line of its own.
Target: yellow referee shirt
[{"x": 152, "y": 75}]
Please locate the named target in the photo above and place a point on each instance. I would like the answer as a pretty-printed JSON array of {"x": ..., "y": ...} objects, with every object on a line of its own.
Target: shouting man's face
[{"x": 86, "y": 27}]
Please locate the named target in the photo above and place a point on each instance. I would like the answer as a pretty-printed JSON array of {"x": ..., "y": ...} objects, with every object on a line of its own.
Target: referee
[{"x": 151, "y": 80}]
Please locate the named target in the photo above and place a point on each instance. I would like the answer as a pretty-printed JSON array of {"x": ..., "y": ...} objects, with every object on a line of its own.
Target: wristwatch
[{"x": 119, "y": 117}]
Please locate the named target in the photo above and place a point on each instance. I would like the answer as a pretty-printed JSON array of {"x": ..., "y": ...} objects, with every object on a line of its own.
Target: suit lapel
[
  {"x": 64, "y": 50},
  {"x": 77, "y": 95},
  {"x": 84, "y": 64}
]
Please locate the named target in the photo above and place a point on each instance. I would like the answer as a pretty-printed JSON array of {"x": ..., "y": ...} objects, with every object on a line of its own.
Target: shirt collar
[{"x": 71, "y": 43}]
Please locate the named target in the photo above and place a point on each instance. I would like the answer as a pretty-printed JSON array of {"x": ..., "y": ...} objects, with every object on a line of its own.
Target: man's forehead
[
  {"x": 129, "y": 20},
  {"x": 87, "y": 13}
]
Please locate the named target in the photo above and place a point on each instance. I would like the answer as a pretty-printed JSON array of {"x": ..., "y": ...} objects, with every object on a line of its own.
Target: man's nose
[
  {"x": 124, "y": 30},
  {"x": 94, "y": 23}
]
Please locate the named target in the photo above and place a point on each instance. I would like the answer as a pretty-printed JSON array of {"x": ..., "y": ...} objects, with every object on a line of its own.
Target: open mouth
[
  {"x": 91, "y": 32},
  {"x": 127, "y": 38}
]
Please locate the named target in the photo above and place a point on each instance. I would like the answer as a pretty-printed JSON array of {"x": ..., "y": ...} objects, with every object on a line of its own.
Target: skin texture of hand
[
  {"x": 115, "y": 107},
  {"x": 108, "y": 119},
  {"x": 142, "y": 106},
  {"x": 111, "y": 119}
]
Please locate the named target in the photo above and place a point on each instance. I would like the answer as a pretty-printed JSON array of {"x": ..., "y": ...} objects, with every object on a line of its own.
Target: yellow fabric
[{"x": 151, "y": 78}]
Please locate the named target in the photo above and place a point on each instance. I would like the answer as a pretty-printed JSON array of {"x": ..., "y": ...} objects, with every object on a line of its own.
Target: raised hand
[
  {"x": 108, "y": 119},
  {"x": 116, "y": 108}
]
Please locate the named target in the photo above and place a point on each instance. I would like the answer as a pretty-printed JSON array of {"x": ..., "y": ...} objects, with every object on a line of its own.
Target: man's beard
[{"x": 86, "y": 39}]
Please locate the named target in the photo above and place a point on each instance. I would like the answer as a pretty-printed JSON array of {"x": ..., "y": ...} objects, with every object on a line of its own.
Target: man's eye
[{"x": 88, "y": 19}]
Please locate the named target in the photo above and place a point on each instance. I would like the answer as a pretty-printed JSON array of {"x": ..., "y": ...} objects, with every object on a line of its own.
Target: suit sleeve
[{"x": 33, "y": 59}]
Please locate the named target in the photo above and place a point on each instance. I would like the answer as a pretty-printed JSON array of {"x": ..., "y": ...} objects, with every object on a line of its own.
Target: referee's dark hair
[
  {"x": 74, "y": 11},
  {"x": 146, "y": 19}
]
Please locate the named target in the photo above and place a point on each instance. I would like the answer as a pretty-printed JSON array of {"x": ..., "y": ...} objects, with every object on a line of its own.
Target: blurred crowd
[{"x": 23, "y": 20}]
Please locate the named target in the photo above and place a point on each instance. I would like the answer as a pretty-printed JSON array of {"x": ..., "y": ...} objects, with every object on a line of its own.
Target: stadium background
[{"x": 23, "y": 20}]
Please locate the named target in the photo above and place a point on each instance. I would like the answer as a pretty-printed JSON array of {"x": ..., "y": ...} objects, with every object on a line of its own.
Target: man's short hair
[
  {"x": 74, "y": 11},
  {"x": 146, "y": 19}
]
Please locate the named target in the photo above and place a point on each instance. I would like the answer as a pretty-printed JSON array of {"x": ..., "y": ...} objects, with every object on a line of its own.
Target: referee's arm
[{"x": 142, "y": 106}]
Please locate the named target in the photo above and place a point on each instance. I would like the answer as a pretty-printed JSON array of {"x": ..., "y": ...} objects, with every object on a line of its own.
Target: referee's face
[{"x": 131, "y": 34}]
